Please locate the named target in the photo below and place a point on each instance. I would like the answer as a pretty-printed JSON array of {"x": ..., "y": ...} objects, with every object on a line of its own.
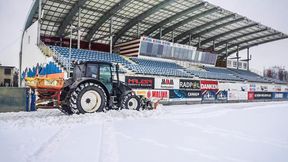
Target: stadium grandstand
[{"x": 159, "y": 39}]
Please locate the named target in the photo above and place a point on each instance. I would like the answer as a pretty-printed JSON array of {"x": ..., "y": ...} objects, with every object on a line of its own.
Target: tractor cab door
[{"x": 105, "y": 76}]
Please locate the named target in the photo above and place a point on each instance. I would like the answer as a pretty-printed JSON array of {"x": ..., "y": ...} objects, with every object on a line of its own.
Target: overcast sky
[{"x": 271, "y": 13}]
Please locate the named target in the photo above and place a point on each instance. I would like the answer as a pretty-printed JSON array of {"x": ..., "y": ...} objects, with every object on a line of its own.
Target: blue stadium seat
[
  {"x": 87, "y": 55},
  {"x": 249, "y": 76},
  {"x": 158, "y": 68},
  {"x": 154, "y": 63}
]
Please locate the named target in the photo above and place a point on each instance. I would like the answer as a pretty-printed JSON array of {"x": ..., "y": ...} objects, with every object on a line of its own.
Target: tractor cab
[{"x": 101, "y": 71}]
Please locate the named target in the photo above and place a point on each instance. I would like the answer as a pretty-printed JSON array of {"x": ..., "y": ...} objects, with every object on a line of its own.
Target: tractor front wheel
[
  {"x": 88, "y": 98},
  {"x": 131, "y": 102}
]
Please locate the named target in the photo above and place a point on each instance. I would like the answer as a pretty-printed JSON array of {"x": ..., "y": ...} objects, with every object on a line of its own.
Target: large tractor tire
[
  {"x": 131, "y": 102},
  {"x": 88, "y": 98},
  {"x": 64, "y": 107}
]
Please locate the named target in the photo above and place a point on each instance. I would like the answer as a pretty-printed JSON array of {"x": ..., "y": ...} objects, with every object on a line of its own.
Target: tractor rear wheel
[
  {"x": 88, "y": 98},
  {"x": 131, "y": 102}
]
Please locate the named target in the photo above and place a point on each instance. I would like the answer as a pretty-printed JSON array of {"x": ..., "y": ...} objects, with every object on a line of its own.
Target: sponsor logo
[
  {"x": 286, "y": 95},
  {"x": 277, "y": 88},
  {"x": 278, "y": 95},
  {"x": 141, "y": 93},
  {"x": 194, "y": 94},
  {"x": 183, "y": 94},
  {"x": 167, "y": 83},
  {"x": 259, "y": 95},
  {"x": 251, "y": 96},
  {"x": 222, "y": 95},
  {"x": 189, "y": 84},
  {"x": 264, "y": 88},
  {"x": 209, "y": 85},
  {"x": 153, "y": 94},
  {"x": 140, "y": 82},
  {"x": 158, "y": 94},
  {"x": 209, "y": 96},
  {"x": 262, "y": 95},
  {"x": 252, "y": 87}
]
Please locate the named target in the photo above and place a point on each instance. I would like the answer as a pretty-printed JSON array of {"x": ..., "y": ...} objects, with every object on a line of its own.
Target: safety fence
[{"x": 17, "y": 99}]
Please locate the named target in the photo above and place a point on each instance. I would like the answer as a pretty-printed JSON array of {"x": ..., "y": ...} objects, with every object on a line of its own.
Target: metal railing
[{"x": 47, "y": 51}]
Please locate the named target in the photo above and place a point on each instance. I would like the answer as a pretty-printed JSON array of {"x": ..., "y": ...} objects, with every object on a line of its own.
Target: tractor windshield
[
  {"x": 78, "y": 71},
  {"x": 92, "y": 71},
  {"x": 105, "y": 76}
]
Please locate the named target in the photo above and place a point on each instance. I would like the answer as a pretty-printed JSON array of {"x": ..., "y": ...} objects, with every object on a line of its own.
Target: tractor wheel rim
[
  {"x": 132, "y": 104},
  {"x": 90, "y": 101}
]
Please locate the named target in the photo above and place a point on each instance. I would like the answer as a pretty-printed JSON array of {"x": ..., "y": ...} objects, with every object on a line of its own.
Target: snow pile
[{"x": 225, "y": 132}]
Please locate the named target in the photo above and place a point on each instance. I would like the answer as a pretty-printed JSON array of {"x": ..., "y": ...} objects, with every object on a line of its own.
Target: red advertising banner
[
  {"x": 251, "y": 96},
  {"x": 209, "y": 85},
  {"x": 154, "y": 94}
]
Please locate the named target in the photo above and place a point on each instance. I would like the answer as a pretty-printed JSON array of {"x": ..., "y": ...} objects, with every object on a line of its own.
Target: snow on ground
[{"x": 249, "y": 132}]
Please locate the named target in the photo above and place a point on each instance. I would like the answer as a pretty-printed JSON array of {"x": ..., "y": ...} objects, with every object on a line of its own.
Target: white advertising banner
[
  {"x": 237, "y": 96},
  {"x": 285, "y": 88},
  {"x": 234, "y": 87},
  {"x": 256, "y": 87},
  {"x": 224, "y": 86},
  {"x": 166, "y": 83},
  {"x": 277, "y": 88}
]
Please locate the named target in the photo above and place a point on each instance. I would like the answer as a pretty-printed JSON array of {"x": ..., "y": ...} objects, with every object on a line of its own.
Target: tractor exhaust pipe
[{"x": 117, "y": 74}]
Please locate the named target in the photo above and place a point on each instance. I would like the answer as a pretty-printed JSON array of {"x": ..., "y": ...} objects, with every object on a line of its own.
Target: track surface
[{"x": 247, "y": 132}]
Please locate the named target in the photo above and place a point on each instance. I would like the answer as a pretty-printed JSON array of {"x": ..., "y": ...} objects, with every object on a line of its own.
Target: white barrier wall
[
  {"x": 31, "y": 54},
  {"x": 262, "y": 87},
  {"x": 233, "y": 86},
  {"x": 237, "y": 96}
]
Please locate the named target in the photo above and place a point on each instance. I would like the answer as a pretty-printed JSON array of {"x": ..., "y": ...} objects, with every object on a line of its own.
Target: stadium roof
[{"x": 187, "y": 21}]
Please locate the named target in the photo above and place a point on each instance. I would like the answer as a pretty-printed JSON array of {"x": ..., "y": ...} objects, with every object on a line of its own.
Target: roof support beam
[
  {"x": 141, "y": 17},
  {"x": 186, "y": 21},
  {"x": 69, "y": 17},
  {"x": 227, "y": 33},
  {"x": 32, "y": 12},
  {"x": 174, "y": 17},
  {"x": 214, "y": 28},
  {"x": 258, "y": 43},
  {"x": 189, "y": 32},
  {"x": 106, "y": 16},
  {"x": 247, "y": 41},
  {"x": 237, "y": 37}
]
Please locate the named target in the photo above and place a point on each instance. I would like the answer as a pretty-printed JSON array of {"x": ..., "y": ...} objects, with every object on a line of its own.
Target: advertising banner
[
  {"x": 263, "y": 88},
  {"x": 184, "y": 94},
  {"x": 233, "y": 86},
  {"x": 139, "y": 82},
  {"x": 237, "y": 96},
  {"x": 185, "y": 84},
  {"x": 286, "y": 95},
  {"x": 154, "y": 94},
  {"x": 252, "y": 88},
  {"x": 251, "y": 96},
  {"x": 262, "y": 95},
  {"x": 222, "y": 96},
  {"x": 277, "y": 88},
  {"x": 277, "y": 95},
  {"x": 165, "y": 83},
  {"x": 209, "y": 85},
  {"x": 258, "y": 88},
  {"x": 285, "y": 89},
  {"x": 208, "y": 96}
]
